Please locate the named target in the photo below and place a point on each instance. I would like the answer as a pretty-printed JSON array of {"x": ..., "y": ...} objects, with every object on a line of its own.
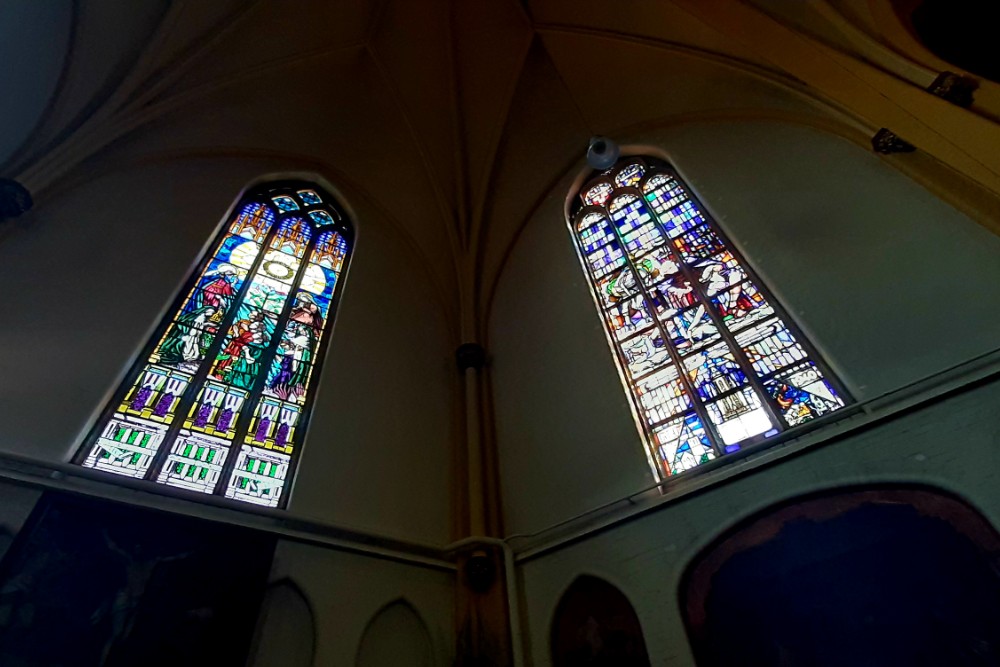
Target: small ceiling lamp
[{"x": 602, "y": 153}]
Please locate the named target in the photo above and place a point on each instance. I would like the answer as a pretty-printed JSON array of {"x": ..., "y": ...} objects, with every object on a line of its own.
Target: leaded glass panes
[
  {"x": 711, "y": 361},
  {"x": 235, "y": 362}
]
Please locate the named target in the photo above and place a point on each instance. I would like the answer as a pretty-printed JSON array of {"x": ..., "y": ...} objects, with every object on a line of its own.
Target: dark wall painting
[
  {"x": 595, "y": 626},
  {"x": 90, "y": 583},
  {"x": 871, "y": 577}
]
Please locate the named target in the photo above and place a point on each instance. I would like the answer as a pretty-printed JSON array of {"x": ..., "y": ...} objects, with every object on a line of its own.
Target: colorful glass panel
[
  {"x": 598, "y": 194},
  {"x": 630, "y": 175},
  {"x": 803, "y": 394},
  {"x": 683, "y": 444},
  {"x": 310, "y": 198},
  {"x": 712, "y": 366},
  {"x": 234, "y": 361}
]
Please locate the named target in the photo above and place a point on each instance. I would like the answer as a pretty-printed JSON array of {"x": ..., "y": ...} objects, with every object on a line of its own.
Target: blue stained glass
[
  {"x": 606, "y": 259},
  {"x": 628, "y": 317},
  {"x": 595, "y": 231},
  {"x": 630, "y": 175},
  {"x": 293, "y": 237},
  {"x": 714, "y": 371},
  {"x": 688, "y": 285},
  {"x": 321, "y": 217},
  {"x": 285, "y": 203},
  {"x": 742, "y": 305},
  {"x": 699, "y": 243},
  {"x": 663, "y": 193},
  {"x": 691, "y": 328},
  {"x": 681, "y": 218},
  {"x": 253, "y": 222},
  {"x": 309, "y": 197},
  {"x": 802, "y": 394},
  {"x": 683, "y": 444}
]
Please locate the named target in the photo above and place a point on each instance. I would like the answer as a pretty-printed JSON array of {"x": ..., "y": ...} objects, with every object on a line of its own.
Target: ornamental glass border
[
  {"x": 711, "y": 361},
  {"x": 219, "y": 399}
]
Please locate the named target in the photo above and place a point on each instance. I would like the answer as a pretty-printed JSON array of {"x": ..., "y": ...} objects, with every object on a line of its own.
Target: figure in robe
[
  {"x": 237, "y": 364},
  {"x": 295, "y": 355},
  {"x": 218, "y": 291},
  {"x": 189, "y": 338},
  {"x": 306, "y": 311}
]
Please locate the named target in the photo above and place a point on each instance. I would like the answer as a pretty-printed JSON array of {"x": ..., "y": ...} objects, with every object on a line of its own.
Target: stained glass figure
[
  {"x": 711, "y": 361},
  {"x": 236, "y": 361}
]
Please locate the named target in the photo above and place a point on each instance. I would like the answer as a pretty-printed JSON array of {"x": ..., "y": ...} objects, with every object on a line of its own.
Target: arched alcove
[
  {"x": 395, "y": 635},
  {"x": 595, "y": 626},
  {"x": 873, "y": 576},
  {"x": 286, "y": 628}
]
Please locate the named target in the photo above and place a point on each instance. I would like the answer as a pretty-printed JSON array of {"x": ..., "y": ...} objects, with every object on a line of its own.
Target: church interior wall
[
  {"x": 84, "y": 298},
  {"x": 347, "y": 591},
  {"x": 950, "y": 445},
  {"x": 869, "y": 264}
]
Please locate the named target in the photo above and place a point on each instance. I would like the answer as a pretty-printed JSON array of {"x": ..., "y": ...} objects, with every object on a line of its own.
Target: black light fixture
[
  {"x": 15, "y": 199},
  {"x": 602, "y": 153}
]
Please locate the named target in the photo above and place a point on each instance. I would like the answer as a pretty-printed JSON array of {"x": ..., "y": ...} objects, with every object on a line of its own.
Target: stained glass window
[
  {"x": 711, "y": 361},
  {"x": 219, "y": 400}
]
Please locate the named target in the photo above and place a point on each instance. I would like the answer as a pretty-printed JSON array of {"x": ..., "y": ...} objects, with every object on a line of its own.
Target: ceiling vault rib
[
  {"x": 495, "y": 136},
  {"x": 87, "y": 139},
  {"x": 479, "y": 215},
  {"x": 439, "y": 195},
  {"x": 462, "y": 195},
  {"x": 20, "y": 156}
]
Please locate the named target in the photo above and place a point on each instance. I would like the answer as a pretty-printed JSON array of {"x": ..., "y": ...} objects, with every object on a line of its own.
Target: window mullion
[
  {"x": 266, "y": 358},
  {"x": 674, "y": 355},
  {"x": 724, "y": 331},
  {"x": 198, "y": 379}
]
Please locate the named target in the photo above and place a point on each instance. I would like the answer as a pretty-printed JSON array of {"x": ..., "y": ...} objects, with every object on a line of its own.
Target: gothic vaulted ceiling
[{"x": 455, "y": 117}]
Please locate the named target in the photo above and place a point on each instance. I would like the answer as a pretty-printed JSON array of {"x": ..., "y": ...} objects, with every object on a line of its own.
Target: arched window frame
[
  {"x": 321, "y": 211},
  {"x": 614, "y": 186}
]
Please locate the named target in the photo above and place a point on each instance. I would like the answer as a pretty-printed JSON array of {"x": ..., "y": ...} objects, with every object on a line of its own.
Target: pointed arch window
[
  {"x": 219, "y": 400},
  {"x": 711, "y": 361}
]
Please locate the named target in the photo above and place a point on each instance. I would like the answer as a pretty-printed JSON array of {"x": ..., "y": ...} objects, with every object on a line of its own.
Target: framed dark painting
[{"x": 89, "y": 582}]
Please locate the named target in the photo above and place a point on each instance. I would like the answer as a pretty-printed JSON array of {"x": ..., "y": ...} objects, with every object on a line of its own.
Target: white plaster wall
[
  {"x": 953, "y": 445},
  {"x": 346, "y": 591},
  {"x": 889, "y": 282},
  {"x": 95, "y": 265}
]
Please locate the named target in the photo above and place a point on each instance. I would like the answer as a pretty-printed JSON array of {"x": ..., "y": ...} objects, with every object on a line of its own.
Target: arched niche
[
  {"x": 286, "y": 628},
  {"x": 595, "y": 626},
  {"x": 396, "y": 635},
  {"x": 871, "y": 576}
]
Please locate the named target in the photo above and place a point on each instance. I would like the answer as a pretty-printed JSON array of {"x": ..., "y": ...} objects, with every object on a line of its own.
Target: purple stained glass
[
  {"x": 225, "y": 420},
  {"x": 204, "y": 412},
  {"x": 262, "y": 428},
  {"x": 281, "y": 439},
  {"x": 163, "y": 405},
  {"x": 141, "y": 396}
]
